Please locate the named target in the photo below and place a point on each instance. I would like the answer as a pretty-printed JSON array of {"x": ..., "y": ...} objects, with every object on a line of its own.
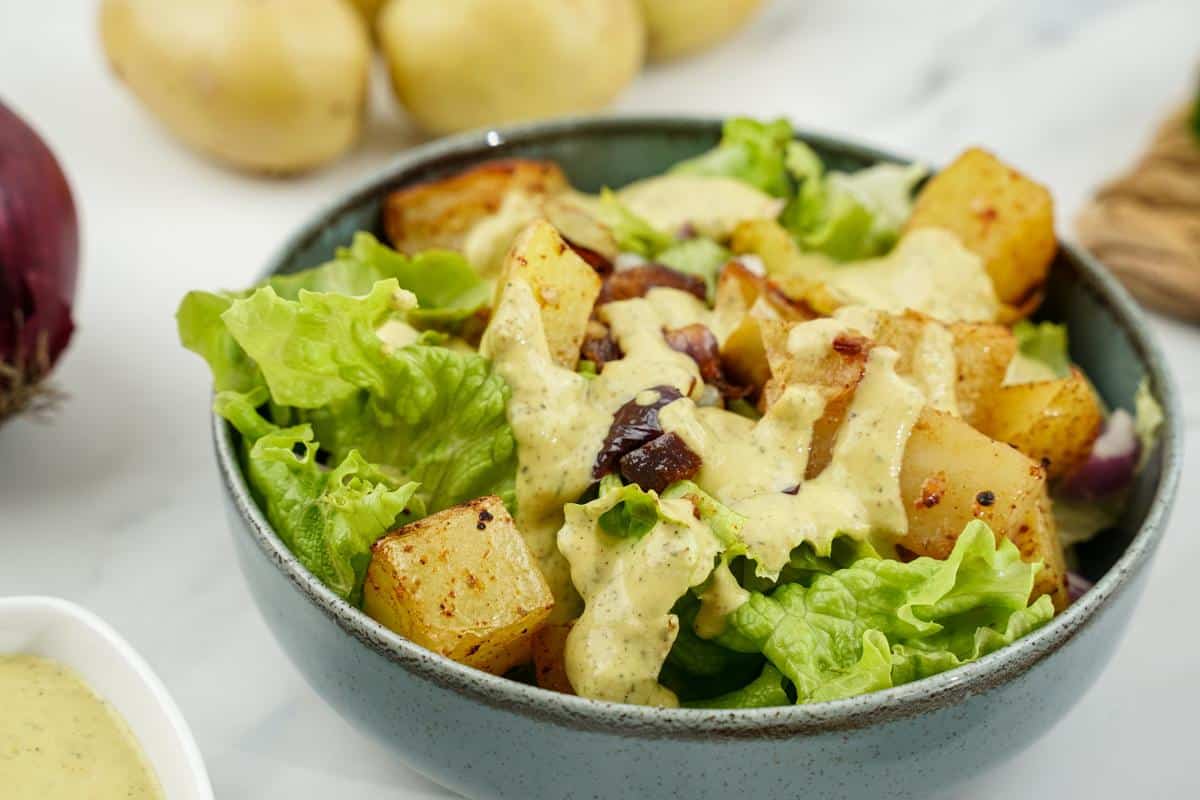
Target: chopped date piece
[
  {"x": 598, "y": 345},
  {"x": 633, "y": 426},
  {"x": 697, "y": 341},
  {"x": 636, "y": 281},
  {"x": 656, "y": 465},
  {"x": 594, "y": 260}
]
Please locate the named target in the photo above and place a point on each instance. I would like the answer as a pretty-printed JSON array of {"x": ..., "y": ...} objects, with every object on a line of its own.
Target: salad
[{"x": 751, "y": 432}]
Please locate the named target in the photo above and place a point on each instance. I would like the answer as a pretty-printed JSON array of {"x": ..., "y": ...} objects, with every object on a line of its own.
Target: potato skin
[
  {"x": 274, "y": 86},
  {"x": 460, "y": 64},
  {"x": 675, "y": 28},
  {"x": 999, "y": 214},
  {"x": 462, "y": 583}
]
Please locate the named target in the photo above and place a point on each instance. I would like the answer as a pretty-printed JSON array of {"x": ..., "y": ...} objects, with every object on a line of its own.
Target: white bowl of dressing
[{"x": 63, "y": 632}]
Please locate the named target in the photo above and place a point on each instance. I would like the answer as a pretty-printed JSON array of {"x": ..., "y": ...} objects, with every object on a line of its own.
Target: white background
[{"x": 115, "y": 503}]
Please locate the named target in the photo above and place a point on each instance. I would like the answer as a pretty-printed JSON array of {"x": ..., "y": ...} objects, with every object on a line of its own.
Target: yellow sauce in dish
[{"x": 60, "y": 741}]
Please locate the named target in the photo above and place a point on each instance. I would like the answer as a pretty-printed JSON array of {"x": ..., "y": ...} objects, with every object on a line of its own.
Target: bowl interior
[{"x": 1106, "y": 334}]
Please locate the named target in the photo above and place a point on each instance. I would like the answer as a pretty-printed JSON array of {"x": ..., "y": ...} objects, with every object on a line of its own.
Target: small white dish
[{"x": 58, "y": 629}]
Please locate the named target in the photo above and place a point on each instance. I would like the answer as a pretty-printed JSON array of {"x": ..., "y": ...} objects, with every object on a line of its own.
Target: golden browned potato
[
  {"x": 462, "y": 583},
  {"x": 982, "y": 353},
  {"x": 439, "y": 214},
  {"x": 742, "y": 298},
  {"x": 563, "y": 284},
  {"x": 675, "y": 28},
  {"x": 1052, "y": 422},
  {"x": 549, "y": 658},
  {"x": 472, "y": 63},
  {"x": 274, "y": 86},
  {"x": 952, "y": 474},
  {"x": 998, "y": 213},
  {"x": 835, "y": 373}
]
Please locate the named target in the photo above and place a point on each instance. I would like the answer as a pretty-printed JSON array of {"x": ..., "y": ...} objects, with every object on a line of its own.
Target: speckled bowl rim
[{"x": 907, "y": 700}]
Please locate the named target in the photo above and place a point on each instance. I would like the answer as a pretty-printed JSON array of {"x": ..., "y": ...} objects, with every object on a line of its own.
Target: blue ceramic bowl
[{"x": 484, "y": 736}]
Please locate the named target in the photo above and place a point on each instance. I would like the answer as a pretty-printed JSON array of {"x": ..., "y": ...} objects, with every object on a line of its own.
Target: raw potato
[
  {"x": 462, "y": 583},
  {"x": 563, "y": 284},
  {"x": 460, "y": 64},
  {"x": 1052, "y": 422},
  {"x": 1001, "y": 215},
  {"x": 368, "y": 9},
  {"x": 676, "y": 28},
  {"x": 948, "y": 465},
  {"x": 274, "y": 86}
]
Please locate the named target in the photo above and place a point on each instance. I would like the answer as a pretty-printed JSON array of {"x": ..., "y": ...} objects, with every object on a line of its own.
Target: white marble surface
[{"x": 115, "y": 504}]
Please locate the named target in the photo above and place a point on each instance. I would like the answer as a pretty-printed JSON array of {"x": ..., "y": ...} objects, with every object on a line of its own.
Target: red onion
[
  {"x": 1110, "y": 466},
  {"x": 1077, "y": 585},
  {"x": 39, "y": 256}
]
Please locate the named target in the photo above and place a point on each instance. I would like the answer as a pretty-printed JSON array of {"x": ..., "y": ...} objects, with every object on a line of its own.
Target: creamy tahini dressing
[
  {"x": 858, "y": 494},
  {"x": 711, "y": 205},
  {"x": 486, "y": 244},
  {"x": 929, "y": 271},
  {"x": 59, "y": 741},
  {"x": 617, "y": 647},
  {"x": 560, "y": 418},
  {"x": 934, "y": 368}
]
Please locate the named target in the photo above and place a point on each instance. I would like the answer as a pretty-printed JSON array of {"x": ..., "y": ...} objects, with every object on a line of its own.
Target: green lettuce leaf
[
  {"x": 880, "y": 622},
  {"x": 1147, "y": 420},
  {"x": 328, "y": 518},
  {"x": 424, "y": 413},
  {"x": 447, "y": 288},
  {"x": 202, "y": 331},
  {"x": 751, "y": 151},
  {"x": 633, "y": 516},
  {"x": 848, "y": 216},
  {"x": 633, "y": 234},
  {"x": 1042, "y": 352},
  {"x": 764, "y": 691}
]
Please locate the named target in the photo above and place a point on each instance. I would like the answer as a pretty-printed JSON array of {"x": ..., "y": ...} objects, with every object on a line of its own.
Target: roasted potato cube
[
  {"x": 462, "y": 583},
  {"x": 836, "y": 373},
  {"x": 440, "y": 213},
  {"x": 563, "y": 284},
  {"x": 742, "y": 299},
  {"x": 982, "y": 353},
  {"x": 952, "y": 474},
  {"x": 1052, "y": 422},
  {"x": 999, "y": 214},
  {"x": 549, "y": 658}
]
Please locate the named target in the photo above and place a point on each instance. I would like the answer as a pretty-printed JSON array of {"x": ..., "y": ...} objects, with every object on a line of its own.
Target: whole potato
[
  {"x": 676, "y": 28},
  {"x": 273, "y": 86},
  {"x": 369, "y": 9},
  {"x": 459, "y": 64}
]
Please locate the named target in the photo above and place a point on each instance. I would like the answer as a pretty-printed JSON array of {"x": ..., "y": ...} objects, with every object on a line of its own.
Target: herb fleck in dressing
[{"x": 59, "y": 741}]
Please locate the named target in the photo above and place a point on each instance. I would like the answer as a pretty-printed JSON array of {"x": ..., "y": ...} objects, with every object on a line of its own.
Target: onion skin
[{"x": 39, "y": 260}]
